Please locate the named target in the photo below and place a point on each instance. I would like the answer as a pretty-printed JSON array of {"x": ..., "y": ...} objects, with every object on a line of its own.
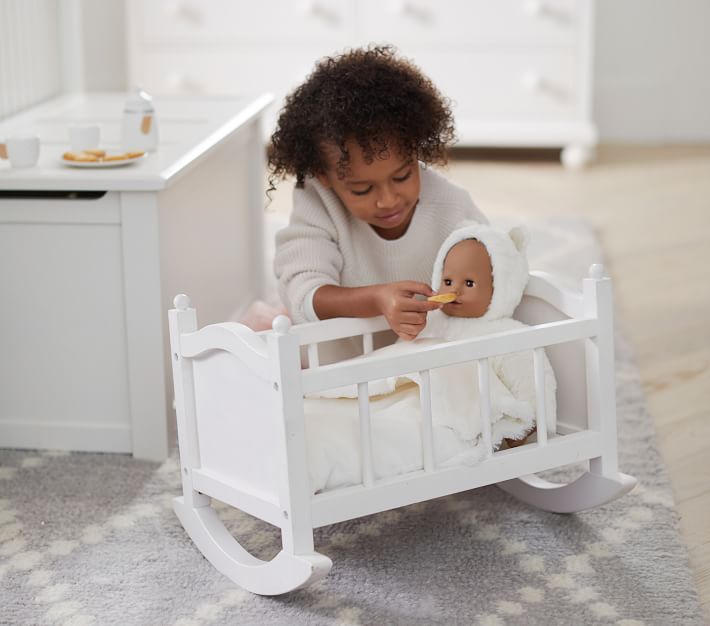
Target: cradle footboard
[
  {"x": 228, "y": 421},
  {"x": 240, "y": 433}
]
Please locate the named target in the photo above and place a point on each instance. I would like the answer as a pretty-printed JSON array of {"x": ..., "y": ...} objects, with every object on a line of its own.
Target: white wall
[
  {"x": 652, "y": 74},
  {"x": 103, "y": 35},
  {"x": 652, "y": 70}
]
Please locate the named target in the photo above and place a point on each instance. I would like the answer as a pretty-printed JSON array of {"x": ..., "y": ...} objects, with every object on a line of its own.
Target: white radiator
[{"x": 30, "y": 53}]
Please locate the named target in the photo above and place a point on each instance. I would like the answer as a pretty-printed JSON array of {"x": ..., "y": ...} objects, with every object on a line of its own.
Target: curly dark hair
[{"x": 368, "y": 95}]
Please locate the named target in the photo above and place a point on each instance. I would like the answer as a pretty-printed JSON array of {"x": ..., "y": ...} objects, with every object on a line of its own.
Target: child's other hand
[{"x": 405, "y": 314}]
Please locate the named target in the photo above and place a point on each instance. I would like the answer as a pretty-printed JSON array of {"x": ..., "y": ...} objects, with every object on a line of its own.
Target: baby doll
[{"x": 485, "y": 270}]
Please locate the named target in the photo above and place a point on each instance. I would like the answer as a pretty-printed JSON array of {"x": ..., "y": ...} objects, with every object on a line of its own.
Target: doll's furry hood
[{"x": 510, "y": 265}]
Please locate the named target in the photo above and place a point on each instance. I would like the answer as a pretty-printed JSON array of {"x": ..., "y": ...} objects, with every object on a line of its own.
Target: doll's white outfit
[{"x": 511, "y": 376}]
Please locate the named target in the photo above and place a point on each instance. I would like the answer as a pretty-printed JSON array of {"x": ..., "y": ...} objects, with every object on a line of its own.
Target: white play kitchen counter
[{"x": 90, "y": 260}]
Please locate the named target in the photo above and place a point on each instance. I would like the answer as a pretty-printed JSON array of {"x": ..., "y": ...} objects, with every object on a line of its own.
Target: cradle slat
[
  {"x": 484, "y": 391},
  {"x": 313, "y": 355},
  {"x": 427, "y": 429},
  {"x": 363, "y": 397},
  {"x": 367, "y": 343},
  {"x": 540, "y": 407}
]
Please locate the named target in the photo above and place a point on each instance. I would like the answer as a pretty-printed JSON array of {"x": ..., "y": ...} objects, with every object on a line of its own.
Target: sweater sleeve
[{"x": 307, "y": 255}]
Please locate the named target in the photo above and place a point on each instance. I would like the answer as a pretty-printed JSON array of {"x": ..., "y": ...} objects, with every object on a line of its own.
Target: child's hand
[{"x": 405, "y": 314}]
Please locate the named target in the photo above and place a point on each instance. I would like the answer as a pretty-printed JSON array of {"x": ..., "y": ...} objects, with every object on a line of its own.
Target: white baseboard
[{"x": 67, "y": 436}]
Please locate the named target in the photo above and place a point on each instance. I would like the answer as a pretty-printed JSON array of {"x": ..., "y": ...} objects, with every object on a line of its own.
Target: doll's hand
[{"x": 405, "y": 314}]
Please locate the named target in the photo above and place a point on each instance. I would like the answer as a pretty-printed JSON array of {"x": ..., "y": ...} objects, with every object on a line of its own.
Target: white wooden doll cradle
[{"x": 239, "y": 401}]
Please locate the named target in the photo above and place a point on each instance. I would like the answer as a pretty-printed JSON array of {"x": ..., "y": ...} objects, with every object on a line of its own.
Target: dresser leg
[{"x": 575, "y": 156}]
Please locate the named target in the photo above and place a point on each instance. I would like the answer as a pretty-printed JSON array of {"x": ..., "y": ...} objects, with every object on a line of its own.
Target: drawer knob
[
  {"x": 183, "y": 11},
  {"x": 318, "y": 9},
  {"x": 407, "y": 8},
  {"x": 532, "y": 81},
  {"x": 540, "y": 8},
  {"x": 534, "y": 8},
  {"x": 180, "y": 83}
]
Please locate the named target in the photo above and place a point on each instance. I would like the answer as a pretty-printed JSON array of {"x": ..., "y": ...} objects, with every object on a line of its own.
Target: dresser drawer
[
  {"x": 242, "y": 21},
  {"x": 506, "y": 86},
  {"x": 470, "y": 22},
  {"x": 217, "y": 71},
  {"x": 225, "y": 72}
]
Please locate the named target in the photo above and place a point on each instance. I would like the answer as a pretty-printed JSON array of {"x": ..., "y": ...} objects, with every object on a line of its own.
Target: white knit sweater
[{"x": 325, "y": 245}]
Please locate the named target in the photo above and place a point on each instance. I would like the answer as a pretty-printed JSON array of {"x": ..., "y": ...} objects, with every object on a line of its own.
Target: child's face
[
  {"x": 382, "y": 193},
  {"x": 468, "y": 274}
]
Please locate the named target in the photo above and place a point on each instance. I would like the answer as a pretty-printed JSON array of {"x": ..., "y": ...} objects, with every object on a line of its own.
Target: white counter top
[{"x": 188, "y": 128}]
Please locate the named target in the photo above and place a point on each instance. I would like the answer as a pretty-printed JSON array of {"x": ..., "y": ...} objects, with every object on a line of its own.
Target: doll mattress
[{"x": 333, "y": 439}]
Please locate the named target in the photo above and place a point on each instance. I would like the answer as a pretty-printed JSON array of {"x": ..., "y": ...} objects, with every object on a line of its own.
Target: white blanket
[{"x": 333, "y": 439}]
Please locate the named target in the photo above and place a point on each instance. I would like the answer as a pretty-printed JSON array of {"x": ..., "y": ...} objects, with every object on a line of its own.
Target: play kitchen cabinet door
[{"x": 518, "y": 72}]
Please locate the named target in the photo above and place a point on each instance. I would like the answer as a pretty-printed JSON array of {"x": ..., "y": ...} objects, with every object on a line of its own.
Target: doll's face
[
  {"x": 467, "y": 273},
  {"x": 382, "y": 193}
]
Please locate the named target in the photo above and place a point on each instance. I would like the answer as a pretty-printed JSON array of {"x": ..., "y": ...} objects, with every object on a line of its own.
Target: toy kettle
[{"x": 139, "y": 129}]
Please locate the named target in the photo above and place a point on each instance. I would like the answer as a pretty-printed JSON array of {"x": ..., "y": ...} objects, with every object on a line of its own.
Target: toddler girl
[{"x": 368, "y": 215}]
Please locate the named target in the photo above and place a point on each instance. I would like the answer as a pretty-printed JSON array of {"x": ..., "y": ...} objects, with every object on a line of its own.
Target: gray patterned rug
[{"x": 92, "y": 539}]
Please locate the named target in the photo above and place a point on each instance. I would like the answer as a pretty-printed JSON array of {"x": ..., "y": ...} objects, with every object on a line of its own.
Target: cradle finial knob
[
  {"x": 181, "y": 302},
  {"x": 596, "y": 271},
  {"x": 281, "y": 324}
]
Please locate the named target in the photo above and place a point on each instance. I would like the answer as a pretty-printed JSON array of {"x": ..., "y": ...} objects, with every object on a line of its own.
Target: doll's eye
[
  {"x": 447, "y": 282},
  {"x": 470, "y": 283}
]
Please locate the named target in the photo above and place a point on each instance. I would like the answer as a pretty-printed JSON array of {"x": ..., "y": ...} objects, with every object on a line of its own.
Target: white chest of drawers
[{"x": 519, "y": 72}]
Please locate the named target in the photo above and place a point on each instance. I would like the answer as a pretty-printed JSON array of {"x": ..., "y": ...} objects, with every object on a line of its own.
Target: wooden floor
[{"x": 651, "y": 209}]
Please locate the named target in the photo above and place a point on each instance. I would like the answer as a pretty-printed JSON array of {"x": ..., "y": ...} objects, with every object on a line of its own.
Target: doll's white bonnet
[{"x": 507, "y": 250}]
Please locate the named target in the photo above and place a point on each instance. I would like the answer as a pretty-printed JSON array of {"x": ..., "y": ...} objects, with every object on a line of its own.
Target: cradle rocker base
[
  {"x": 586, "y": 492},
  {"x": 285, "y": 572}
]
